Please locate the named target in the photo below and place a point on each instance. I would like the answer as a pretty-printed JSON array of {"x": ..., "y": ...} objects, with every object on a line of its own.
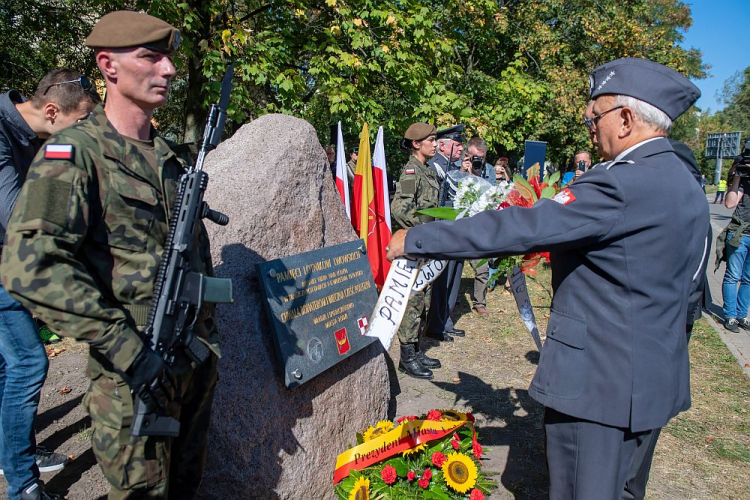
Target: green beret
[
  {"x": 418, "y": 131},
  {"x": 125, "y": 28}
]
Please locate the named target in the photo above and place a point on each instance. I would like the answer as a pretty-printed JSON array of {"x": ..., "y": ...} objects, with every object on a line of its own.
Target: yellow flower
[
  {"x": 460, "y": 472},
  {"x": 452, "y": 415},
  {"x": 380, "y": 428},
  {"x": 361, "y": 490},
  {"x": 416, "y": 449}
]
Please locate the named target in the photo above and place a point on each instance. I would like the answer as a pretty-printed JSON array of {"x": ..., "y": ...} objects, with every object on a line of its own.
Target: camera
[
  {"x": 477, "y": 162},
  {"x": 742, "y": 162},
  {"x": 582, "y": 166}
]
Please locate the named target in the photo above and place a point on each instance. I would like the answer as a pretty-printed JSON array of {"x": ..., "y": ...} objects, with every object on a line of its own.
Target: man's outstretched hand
[{"x": 396, "y": 247}]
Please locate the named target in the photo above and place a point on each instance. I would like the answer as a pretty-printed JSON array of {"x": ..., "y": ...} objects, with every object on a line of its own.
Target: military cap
[
  {"x": 654, "y": 83},
  {"x": 126, "y": 28},
  {"x": 455, "y": 132},
  {"x": 417, "y": 132}
]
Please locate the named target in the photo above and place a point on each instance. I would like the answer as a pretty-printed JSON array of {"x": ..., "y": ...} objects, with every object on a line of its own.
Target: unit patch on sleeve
[
  {"x": 564, "y": 197},
  {"x": 58, "y": 152}
]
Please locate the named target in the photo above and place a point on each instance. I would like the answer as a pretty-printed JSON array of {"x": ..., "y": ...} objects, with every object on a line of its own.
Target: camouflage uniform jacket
[
  {"x": 417, "y": 189},
  {"x": 84, "y": 242}
]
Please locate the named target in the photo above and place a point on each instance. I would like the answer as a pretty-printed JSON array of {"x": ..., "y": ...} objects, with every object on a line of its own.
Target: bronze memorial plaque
[{"x": 318, "y": 303}]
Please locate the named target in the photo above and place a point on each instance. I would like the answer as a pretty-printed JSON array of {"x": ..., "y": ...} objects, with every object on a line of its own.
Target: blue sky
[{"x": 720, "y": 30}]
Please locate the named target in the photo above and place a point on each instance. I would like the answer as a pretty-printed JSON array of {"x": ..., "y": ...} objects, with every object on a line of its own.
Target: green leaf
[
  {"x": 437, "y": 491},
  {"x": 524, "y": 188},
  {"x": 446, "y": 213},
  {"x": 549, "y": 192},
  {"x": 554, "y": 178},
  {"x": 402, "y": 468}
]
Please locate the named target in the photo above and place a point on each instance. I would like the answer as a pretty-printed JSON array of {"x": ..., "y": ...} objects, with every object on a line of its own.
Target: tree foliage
[{"x": 509, "y": 69}]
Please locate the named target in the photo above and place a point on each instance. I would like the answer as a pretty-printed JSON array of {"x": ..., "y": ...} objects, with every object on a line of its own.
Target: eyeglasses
[
  {"x": 590, "y": 122},
  {"x": 82, "y": 80}
]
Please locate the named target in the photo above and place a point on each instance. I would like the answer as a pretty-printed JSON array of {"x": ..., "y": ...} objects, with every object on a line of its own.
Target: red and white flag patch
[
  {"x": 409, "y": 171},
  {"x": 564, "y": 197},
  {"x": 362, "y": 323},
  {"x": 58, "y": 152}
]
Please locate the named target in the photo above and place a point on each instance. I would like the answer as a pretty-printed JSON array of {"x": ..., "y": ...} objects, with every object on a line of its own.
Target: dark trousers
[
  {"x": 443, "y": 300},
  {"x": 588, "y": 460}
]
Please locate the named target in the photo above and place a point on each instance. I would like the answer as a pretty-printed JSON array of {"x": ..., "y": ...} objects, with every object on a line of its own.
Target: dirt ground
[{"x": 702, "y": 454}]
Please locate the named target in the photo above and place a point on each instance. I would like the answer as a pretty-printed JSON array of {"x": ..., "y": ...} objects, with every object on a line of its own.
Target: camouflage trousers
[
  {"x": 408, "y": 331},
  {"x": 152, "y": 466}
]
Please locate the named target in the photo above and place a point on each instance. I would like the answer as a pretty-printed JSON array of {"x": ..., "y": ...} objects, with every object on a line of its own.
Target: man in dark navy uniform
[
  {"x": 439, "y": 324},
  {"x": 627, "y": 240}
]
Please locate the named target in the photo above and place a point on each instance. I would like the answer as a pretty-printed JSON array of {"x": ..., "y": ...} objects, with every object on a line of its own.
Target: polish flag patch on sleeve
[
  {"x": 58, "y": 152},
  {"x": 409, "y": 171},
  {"x": 564, "y": 197}
]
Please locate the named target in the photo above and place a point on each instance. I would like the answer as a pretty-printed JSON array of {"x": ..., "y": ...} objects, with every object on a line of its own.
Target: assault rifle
[{"x": 179, "y": 292}]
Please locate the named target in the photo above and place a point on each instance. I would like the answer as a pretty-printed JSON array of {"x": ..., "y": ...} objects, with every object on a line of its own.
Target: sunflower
[
  {"x": 361, "y": 490},
  {"x": 380, "y": 428},
  {"x": 411, "y": 451},
  {"x": 453, "y": 415},
  {"x": 460, "y": 472}
]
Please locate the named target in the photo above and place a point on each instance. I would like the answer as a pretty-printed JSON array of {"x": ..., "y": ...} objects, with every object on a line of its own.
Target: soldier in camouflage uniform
[
  {"x": 83, "y": 249},
  {"x": 416, "y": 189}
]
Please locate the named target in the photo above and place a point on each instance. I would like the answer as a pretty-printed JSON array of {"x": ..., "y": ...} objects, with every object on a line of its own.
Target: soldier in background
[
  {"x": 62, "y": 98},
  {"x": 416, "y": 189},
  {"x": 83, "y": 250}
]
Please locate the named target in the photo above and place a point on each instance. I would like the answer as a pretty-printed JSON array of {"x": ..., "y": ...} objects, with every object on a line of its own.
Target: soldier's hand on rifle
[{"x": 150, "y": 379}]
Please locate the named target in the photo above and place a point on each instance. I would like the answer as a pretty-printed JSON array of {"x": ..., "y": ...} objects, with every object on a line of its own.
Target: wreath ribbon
[{"x": 406, "y": 436}]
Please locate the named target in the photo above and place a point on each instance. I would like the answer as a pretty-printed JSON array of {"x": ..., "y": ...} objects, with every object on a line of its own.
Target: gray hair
[{"x": 646, "y": 113}]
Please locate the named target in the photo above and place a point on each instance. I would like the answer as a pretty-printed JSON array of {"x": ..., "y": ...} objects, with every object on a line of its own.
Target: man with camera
[
  {"x": 477, "y": 149},
  {"x": 736, "y": 238},
  {"x": 581, "y": 163}
]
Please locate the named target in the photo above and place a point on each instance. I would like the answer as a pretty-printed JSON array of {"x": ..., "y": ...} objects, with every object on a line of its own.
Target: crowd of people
[{"x": 85, "y": 219}]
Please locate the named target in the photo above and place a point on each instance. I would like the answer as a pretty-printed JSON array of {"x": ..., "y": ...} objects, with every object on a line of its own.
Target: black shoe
[
  {"x": 425, "y": 360},
  {"x": 744, "y": 323},
  {"x": 47, "y": 460},
  {"x": 410, "y": 365},
  {"x": 457, "y": 333},
  {"x": 442, "y": 337},
  {"x": 732, "y": 325},
  {"x": 36, "y": 492}
]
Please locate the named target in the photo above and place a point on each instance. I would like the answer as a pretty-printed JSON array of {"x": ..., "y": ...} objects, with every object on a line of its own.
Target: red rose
[
  {"x": 427, "y": 474},
  {"x": 424, "y": 483},
  {"x": 503, "y": 205},
  {"x": 434, "y": 415},
  {"x": 398, "y": 421},
  {"x": 438, "y": 459},
  {"x": 476, "y": 495},
  {"x": 389, "y": 474},
  {"x": 455, "y": 442},
  {"x": 470, "y": 417},
  {"x": 410, "y": 475},
  {"x": 477, "y": 448}
]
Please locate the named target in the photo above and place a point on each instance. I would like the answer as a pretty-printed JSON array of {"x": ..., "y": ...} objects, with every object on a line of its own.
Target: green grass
[{"x": 719, "y": 421}]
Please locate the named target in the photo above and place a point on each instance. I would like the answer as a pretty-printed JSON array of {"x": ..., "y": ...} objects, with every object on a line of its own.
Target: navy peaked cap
[
  {"x": 654, "y": 83},
  {"x": 456, "y": 133}
]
